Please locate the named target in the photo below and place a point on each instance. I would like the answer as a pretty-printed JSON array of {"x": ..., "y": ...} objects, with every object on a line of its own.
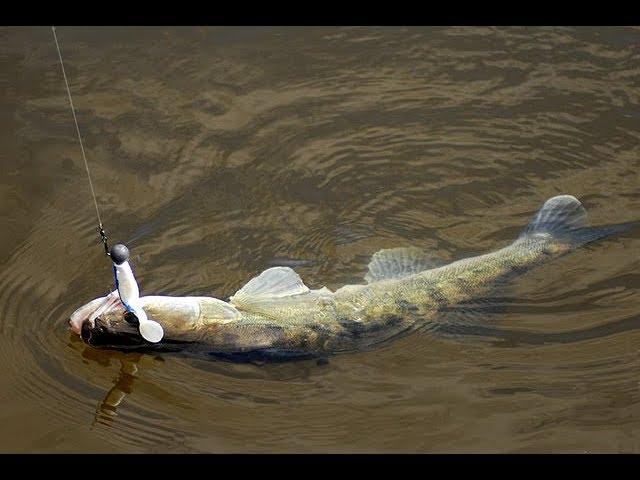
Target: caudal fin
[{"x": 564, "y": 218}]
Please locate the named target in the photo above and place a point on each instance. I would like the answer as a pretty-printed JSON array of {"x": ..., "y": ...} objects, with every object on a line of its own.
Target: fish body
[{"x": 275, "y": 314}]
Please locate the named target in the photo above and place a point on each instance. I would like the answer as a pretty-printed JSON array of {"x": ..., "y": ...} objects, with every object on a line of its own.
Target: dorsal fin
[
  {"x": 399, "y": 262},
  {"x": 273, "y": 283}
]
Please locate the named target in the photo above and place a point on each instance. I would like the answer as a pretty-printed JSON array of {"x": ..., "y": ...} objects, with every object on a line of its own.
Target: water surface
[{"x": 219, "y": 152}]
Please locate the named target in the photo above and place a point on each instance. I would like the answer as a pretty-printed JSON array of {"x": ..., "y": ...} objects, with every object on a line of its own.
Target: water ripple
[{"x": 219, "y": 152}]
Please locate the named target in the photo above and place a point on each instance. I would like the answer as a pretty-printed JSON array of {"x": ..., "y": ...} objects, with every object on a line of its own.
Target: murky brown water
[{"x": 219, "y": 152}]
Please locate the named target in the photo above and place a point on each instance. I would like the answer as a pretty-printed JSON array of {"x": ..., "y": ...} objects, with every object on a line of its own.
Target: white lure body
[
  {"x": 130, "y": 296},
  {"x": 126, "y": 283}
]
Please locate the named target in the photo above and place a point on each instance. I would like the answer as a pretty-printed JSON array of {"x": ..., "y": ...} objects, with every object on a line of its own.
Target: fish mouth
[
  {"x": 93, "y": 310},
  {"x": 103, "y": 323},
  {"x": 98, "y": 333}
]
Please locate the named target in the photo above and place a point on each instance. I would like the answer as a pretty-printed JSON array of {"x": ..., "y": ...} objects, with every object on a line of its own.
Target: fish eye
[{"x": 131, "y": 319}]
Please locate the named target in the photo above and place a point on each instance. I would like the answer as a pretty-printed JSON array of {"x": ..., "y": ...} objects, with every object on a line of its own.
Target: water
[{"x": 219, "y": 152}]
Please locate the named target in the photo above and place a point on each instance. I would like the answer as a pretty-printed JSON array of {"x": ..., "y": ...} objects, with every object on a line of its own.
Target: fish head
[{"x": 106, "y": 322}]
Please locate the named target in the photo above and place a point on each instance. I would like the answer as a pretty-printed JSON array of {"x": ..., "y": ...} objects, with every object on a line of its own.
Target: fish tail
[{"x": 565, "y": 219}]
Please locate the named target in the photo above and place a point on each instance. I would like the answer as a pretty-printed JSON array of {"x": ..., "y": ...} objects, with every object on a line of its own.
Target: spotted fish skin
[{"x": 276, "y": 314}]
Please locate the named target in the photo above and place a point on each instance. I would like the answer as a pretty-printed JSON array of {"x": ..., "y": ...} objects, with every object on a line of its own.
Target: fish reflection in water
[
  {"x": 123, "y": 381},
  {"x": 122, "y": 385}
]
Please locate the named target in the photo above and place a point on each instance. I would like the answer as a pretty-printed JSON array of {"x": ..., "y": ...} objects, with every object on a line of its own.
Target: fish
[{"x": 276, "y": 316}]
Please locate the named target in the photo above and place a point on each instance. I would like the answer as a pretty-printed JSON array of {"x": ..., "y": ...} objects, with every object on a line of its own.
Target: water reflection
[{"x": 122, "y": 386}]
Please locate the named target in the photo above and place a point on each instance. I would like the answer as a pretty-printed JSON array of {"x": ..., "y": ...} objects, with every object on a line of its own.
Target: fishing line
[
  {"x": 126, "y": 284},
  {"x": 103, "y": 235}
]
